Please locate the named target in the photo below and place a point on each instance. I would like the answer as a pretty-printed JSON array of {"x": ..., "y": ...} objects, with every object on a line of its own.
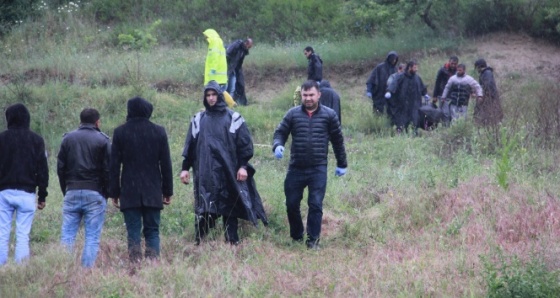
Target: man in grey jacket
[
  {"x": 455, "y": 97},
  {"x": 83, "y": 173}
]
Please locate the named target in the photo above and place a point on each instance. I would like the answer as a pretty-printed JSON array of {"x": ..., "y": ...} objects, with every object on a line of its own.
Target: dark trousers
[
  {"x": 207, "y": 221},
  {"x": 145, "y": 220},
  {"x": 297, "y": 179}
]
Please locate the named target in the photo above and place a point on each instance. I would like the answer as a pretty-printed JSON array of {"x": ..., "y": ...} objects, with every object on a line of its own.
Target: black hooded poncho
[{"x": 218, "y": 143}]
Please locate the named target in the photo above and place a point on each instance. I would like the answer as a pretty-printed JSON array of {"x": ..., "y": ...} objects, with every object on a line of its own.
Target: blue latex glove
[
  {"x": 368, "y": 94},
  {"x": 279, "y": 152},
  {"x": 427, "y": 97},
  {"x": 340, "y": 172},
  {"x": 388, "y": 95}
]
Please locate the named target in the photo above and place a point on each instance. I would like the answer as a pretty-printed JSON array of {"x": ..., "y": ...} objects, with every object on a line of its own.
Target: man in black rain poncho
[
  {"x": 407, "y": 91},
  {"x": 377, "y": 83},
  {"x": 218, "y": 148}
]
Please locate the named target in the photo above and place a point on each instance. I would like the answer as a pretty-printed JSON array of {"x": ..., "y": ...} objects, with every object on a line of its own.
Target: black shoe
[{"x": 312, "y": 244}]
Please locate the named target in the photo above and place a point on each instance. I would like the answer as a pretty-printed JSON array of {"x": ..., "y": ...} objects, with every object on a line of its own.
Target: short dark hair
[
  {"x": 307, "y": 85},
  {"x": 410, "y": 64},
  {"x": 462, "y": 66},
  {"x": 454, "y": 58},
  {"x": 309, "y": 49},
  {"x": 480, "y": 63},
  {"x": 89, "y": 115}
]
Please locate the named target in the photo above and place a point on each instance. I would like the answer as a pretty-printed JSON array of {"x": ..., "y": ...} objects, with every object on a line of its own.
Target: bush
[{"x": 510, "y": 277}]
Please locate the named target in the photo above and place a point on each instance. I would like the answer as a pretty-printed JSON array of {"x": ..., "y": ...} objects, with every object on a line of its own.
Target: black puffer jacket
[
  {"x": 23, "y": 160},
  {"x": 235, "y": 54},
  {"x": 310, "y": 137},
  {"x": 83, "y": 160},
  {"x": 141, "y": 150}
]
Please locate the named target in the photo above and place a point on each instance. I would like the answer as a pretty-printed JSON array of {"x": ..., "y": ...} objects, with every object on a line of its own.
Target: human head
[
  {"x": 248, "y": 43},
  {"x": 453, "y": 61},
  {"x": 89, "y": 116},
  {"x": 137, "y": 107},
  {"x": 392, "y": 58},
  {"x": 480, "y": 64},
  {"x": 401, "y": 67},
  {"x": 213, "y": 96},
  {"x": 411, "y": 67},
  {"x": 310, "y": 95},
  {"x": 17, "y": 116},
  {"x": 461, "y": 68},
  {"x": 308, "y": 51}
]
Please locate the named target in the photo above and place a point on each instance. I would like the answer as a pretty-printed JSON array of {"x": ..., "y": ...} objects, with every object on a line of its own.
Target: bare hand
[
  {"x": 241, "y": 174},
  {"x": 479, "y": 99},
  {"x": 166, "y": 200},
  {"x": 41, "y": 205},
  {"x": 116, "y": 202},
  {"x": 185, "y": 177}
]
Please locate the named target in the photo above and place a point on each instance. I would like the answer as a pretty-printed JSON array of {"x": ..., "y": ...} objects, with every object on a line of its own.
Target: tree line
[{"x": 295, "y": 20}]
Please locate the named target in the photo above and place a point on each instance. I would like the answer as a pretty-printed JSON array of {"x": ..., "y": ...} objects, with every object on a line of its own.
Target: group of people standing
[
  {"x": 400, "y": 94},
  {"x": 135, "y": 171}
]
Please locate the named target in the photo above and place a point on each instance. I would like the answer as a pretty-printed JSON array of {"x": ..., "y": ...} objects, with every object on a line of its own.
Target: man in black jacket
[
  {"x": 23, "y": 169},
  {"x": 330, "y": 98},
  {"x": 312, "y": 126},
  {"x": 314, "y": 65},
  {"x": 235, "y": 54},
  {"x": 145, "y": 184},
  {"x": 218, "y": 148},
  {"x": 83, "y": 173}
]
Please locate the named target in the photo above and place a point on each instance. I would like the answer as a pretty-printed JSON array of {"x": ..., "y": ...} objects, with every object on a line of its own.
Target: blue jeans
[
  {"x": 232, "y": 80},
  {"x": 90, "y": 206},
  {"x": 24, "y": 205},
  {"x": 297, "y": 179},
  {"x": 134, "y": 218}
]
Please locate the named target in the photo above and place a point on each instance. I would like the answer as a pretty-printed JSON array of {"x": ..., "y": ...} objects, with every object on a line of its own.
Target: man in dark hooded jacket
[
  {"x": 141, "y": 150},
  {"x": 218, "y": 148},
  {"x": 23, "y": 169},
  {"x": 236, "y": 53},
  {"x": 377, "y": 83},
  {"x": 488, "y": 109},
  {"x": 330, "y": 98},
  {"x": 407, "y": 91}
]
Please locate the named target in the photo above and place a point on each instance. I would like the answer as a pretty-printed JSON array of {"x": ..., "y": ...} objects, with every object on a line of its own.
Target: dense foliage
[{"x": 292, "y": 20}]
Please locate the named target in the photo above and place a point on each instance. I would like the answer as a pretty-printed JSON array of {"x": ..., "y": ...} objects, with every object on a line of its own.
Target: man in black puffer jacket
[
  {"x": 23, "y": 169},
  {"x": 312, "y": 126},
  {"x": 145, "y": 183}
]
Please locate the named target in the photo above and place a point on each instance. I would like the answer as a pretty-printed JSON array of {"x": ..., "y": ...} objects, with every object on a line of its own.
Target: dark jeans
[
  {"x": 297, "y": 179},
  {"x": 134, "y": 219}
]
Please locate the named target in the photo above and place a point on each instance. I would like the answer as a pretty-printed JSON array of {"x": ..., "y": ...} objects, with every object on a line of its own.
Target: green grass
[{"x": 411, "y": 217}]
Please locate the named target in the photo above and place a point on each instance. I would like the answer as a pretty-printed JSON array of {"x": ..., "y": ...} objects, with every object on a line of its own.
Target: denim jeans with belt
[
  {"x": 24, "y": 205},
  {"x": 297, "y": 179},
  {"x": 90, "y": 206},
  {"x": 145, "y": 220}
]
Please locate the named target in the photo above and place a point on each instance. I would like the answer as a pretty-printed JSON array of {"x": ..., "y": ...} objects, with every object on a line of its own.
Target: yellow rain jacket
[{"x": 216, "y": 62}]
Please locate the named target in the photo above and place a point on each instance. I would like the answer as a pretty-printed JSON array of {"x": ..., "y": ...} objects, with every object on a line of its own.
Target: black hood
[
  {"x": 138, "y": 107},
  {"x": 221, "y": 103},
  {"x": 325, "y": 84},
  {"x": 390, "y": 55},
  {"x": 17, "y": 116}
]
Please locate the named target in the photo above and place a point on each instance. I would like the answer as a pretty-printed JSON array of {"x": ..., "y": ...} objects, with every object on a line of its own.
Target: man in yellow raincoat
[{"x": 216, "y": 63}]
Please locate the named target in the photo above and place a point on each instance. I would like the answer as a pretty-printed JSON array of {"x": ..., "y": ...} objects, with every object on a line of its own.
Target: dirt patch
[{"x": 519, "y": 53}]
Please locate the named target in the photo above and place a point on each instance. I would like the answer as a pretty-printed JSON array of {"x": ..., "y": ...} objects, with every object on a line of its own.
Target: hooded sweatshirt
[
  {"x": 23, "y": 160},
  {"x": 140, "y": 171}
]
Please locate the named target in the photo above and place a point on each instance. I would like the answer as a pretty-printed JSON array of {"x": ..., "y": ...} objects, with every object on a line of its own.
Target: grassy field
[{"x": 455, "y": 212}]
